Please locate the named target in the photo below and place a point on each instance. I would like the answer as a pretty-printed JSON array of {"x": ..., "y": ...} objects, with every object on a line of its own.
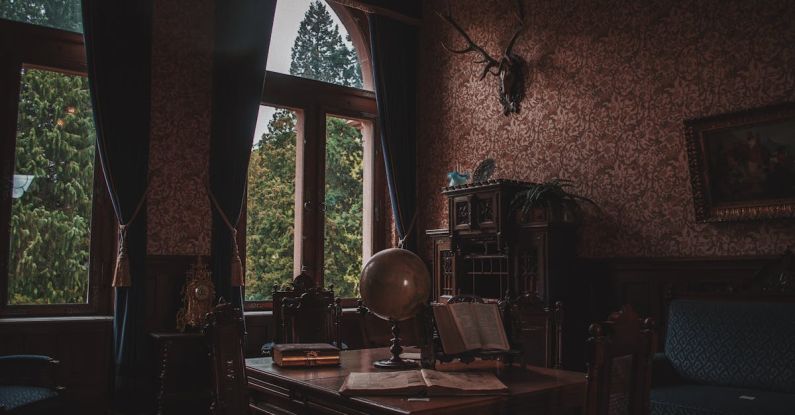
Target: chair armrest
[
  {"x": 33, "y": 370},
  {"x": 662, "y": 372}
]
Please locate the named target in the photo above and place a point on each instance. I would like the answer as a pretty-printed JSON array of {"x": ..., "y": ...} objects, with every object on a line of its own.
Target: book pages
[
  {"x": 448, "y": 331},
  {"x": 383, "y": 383},
  {"x": 461, "y": 383},
  {"x": 491, "y": 331},
  {"x": 466, "y": 319}
]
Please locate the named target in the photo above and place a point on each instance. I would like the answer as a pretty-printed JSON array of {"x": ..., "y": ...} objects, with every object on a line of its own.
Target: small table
[{"x": 277, "y": 390}]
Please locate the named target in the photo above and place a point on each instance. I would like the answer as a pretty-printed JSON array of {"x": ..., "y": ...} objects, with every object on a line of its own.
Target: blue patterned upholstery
[
  {"x": 739, "y": 344},
  {"x": 719, "y": 400},
  {"x": 17, "y": 397}
]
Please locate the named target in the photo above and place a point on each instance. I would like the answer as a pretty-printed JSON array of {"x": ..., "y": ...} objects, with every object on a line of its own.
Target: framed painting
[{"x": 742, "y": 165}]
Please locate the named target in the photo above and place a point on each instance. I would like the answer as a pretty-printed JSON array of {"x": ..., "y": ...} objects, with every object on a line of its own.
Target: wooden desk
[{"x": 276, "y": 390}]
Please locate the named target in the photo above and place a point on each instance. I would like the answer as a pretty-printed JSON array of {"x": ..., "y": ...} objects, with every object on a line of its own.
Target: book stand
[{"x": 437, "y": 351}]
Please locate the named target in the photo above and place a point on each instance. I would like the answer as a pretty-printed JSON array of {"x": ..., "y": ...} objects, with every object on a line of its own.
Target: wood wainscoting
[{"x": 82, "y": 345}]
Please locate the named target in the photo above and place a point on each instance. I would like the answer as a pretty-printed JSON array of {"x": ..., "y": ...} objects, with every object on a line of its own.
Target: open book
[
  {"x": 425, "y": 381},
  {"x": 470, "y": 326}
]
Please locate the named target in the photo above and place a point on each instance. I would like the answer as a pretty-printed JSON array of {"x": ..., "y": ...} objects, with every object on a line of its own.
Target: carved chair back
[
  {"x": 535, "y": 329},
  {"x": 223, "y": 331},
  {"x": 305, "y": 313},
  {"x": 620, "y": 351}
]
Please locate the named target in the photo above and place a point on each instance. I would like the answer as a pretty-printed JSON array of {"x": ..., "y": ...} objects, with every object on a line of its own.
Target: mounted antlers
[{"x": 508, "y": 67}]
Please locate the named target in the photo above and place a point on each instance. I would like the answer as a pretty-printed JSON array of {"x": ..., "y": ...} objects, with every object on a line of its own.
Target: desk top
[{"x": 549, "y": 390}]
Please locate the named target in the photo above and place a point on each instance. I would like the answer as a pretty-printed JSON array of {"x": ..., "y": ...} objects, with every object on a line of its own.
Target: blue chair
[{"x": 27, "y": 385}]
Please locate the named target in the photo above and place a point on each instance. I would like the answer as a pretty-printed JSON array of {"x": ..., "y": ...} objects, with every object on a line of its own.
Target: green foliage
[
  {"x": 552, "y": 193},
  {"x": 344, "y": 206},
  {"x": 50, "y": 223},
  {"x": 271, "y": 199},
  {"x": 60, "y": 14},
  {"x": 318, "y": 53}
]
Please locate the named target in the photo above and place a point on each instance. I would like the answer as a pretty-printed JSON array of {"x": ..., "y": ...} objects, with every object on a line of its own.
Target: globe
[{"x": 395, "y": 284}]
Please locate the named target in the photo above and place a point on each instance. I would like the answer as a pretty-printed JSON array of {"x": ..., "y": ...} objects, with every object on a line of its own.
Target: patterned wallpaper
[
  {"x": 610, "y": 85},
  {"x": 178, "y": 210}
]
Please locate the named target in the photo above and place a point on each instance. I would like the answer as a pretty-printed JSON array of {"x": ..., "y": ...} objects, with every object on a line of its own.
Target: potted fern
[{"x": 550, "y": 200}]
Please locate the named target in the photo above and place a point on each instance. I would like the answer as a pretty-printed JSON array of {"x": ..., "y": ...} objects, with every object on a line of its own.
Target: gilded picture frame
[{"x": 742, "y": 164}]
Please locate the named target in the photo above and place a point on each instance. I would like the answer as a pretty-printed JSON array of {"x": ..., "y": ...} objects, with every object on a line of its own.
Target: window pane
[
  {"x": 344, "y": 205},
  {"x": 60, "y": 14},
  {"x": 309, "y": 41},
  {"x": 271, "y": 204},
  {"x": 52, "y": 194}
]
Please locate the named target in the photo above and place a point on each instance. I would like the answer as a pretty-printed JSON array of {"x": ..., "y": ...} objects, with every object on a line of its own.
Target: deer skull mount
[{"x": 509, "y": 69}]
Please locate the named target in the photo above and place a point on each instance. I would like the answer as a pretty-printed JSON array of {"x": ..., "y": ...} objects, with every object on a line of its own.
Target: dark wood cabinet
[
  {"x": 182, "y": 373},
  {"x": 496, "y": 252}
]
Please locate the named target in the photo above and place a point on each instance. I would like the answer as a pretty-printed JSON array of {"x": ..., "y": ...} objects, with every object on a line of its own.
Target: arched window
[{"x": 315, "y": 180}]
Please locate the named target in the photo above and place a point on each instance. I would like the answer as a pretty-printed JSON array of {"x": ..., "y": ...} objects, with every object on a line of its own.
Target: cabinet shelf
[{"x": 478, "y": 273}]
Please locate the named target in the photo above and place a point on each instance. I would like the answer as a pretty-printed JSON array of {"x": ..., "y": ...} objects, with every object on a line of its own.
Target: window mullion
[
  {"x": 309, "y": 178},
  {"x": 9, "y": 88}
]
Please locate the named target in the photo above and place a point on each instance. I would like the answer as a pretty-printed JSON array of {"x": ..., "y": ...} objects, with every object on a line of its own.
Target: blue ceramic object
[{"x": 457, "y": 178}]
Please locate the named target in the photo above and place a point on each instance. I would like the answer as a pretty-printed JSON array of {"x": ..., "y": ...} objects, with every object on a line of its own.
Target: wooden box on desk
[{"x": 305, "y": 355}]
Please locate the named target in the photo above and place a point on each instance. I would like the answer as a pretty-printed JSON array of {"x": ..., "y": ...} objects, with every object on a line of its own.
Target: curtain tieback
[
  {"x": 236, "y": 266},
  {"x": 402, "y": 241},
  {"x": 122, "y": 277}
]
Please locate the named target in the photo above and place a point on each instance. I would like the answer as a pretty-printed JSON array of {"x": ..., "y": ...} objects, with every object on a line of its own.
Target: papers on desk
[{"x": 425, "y": 381}]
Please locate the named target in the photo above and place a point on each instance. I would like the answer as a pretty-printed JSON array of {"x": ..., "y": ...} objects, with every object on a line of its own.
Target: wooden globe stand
[{"x": 395, "y": 362}]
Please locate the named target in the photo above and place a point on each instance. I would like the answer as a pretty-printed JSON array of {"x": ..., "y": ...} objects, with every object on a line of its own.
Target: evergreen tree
[
  {"x": 271, "y": 197},
  {"x": 344, "y": 206},
  {"x": 51, "y": 222},
  {"x": 318, "y": 53},
  {"x": 61, "y": 14}
]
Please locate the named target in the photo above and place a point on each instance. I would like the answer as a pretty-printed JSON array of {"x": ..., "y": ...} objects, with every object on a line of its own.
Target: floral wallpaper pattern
[
  {"x": 178, "y": 210},
  {"x": 609, "y": 85}
]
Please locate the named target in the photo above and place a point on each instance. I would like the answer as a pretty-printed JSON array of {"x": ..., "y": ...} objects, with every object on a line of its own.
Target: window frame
[
  {"x": 316, "y": 100},
  {"x": 31, "y": 46}
]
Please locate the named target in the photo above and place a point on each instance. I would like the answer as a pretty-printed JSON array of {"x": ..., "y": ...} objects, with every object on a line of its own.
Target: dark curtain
[
  {"x": 118, "y": 47},
  {"x": 242, "y": 38},
  {"x": 394, "y": 59}
]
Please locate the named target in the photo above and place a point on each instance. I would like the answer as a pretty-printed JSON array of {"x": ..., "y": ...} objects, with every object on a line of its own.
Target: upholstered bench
[{"x": 723, "y": 357}]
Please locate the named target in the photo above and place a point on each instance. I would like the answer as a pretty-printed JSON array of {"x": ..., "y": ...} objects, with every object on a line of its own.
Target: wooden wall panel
[{"x": 82, "y": 344}]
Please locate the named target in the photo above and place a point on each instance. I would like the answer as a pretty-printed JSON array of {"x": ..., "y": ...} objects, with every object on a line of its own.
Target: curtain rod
[{"x": 383, "y": 11}]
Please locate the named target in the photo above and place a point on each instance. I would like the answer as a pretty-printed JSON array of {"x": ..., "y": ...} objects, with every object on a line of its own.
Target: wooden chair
[
  {"x": 306, "y": 314},
  {"x": 535, "y": 329},
  {"x": 619, "y": 365},
  {"x": 223, "y": 331}
]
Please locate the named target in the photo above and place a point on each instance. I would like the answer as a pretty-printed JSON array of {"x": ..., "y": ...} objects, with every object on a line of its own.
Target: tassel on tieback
[{"x": 121, "y": 275}]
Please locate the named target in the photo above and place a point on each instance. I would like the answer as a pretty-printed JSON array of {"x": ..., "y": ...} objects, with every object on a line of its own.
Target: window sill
[
  {"x": 55, "y": 319},
  {"x": 269, "y": 313}
]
